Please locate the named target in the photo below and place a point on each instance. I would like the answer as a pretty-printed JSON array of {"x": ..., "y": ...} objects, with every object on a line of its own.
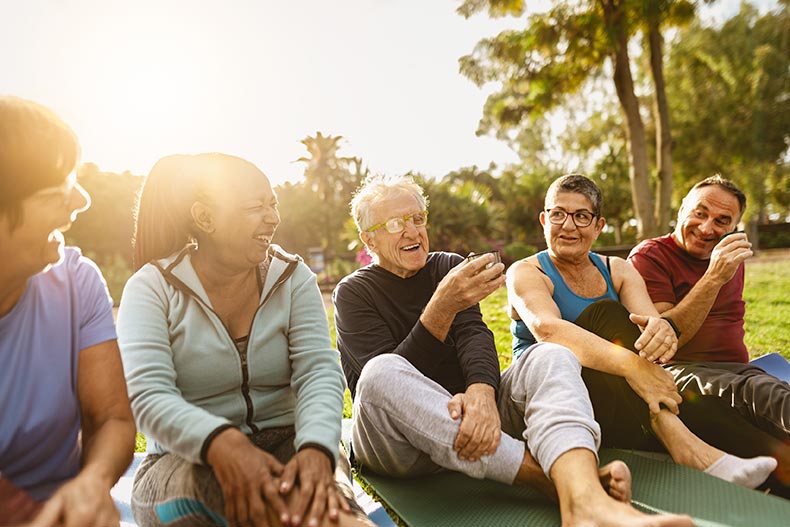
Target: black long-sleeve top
[{"x": 378, "y": 312}]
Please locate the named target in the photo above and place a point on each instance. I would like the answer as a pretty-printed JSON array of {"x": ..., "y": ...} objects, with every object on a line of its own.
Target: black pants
[{"x": 719, "y": 404}]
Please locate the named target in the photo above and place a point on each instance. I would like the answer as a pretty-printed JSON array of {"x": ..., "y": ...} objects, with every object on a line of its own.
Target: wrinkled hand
[
  {"x": 84, "y": 500},
  {"x": 247, "y": 476},
  {"x": 658, "y": 341},
  {"x": 654, "y": 385},
  {"x": 727, "y": 256},
  {"x": 316, "y": 486},
  {"x": 469, "y": 282},
  {"x": 481, "y": 428}
]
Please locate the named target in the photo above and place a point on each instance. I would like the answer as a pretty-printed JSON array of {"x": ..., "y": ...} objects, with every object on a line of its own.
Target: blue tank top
[{"x": 570, "y": 304}]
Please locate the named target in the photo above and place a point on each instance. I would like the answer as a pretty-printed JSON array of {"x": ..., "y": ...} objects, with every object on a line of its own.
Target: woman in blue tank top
[{"x": 599, "y": 308}]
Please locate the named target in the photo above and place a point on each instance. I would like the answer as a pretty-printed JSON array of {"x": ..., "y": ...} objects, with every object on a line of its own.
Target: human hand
[
  {"x": 654, "y": 385},
  {"x": 469, "y": 282},
  {"x": 481, "y": 428},
  {"x": 247, "y": 476},
  {"x": 731, "y": 251},
  {"x": 313, "y": 469},
  {"x": 658, "y": 342},
  {"x": 84, "y": 500}
]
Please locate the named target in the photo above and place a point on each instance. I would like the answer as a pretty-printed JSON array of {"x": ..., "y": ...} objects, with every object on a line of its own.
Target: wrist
[
  {"x": 480, "y": 388},
  {"x": 672, "y": 324},
  {"x": 98, "y": 473},
  {"x": 228, "y": 437}
]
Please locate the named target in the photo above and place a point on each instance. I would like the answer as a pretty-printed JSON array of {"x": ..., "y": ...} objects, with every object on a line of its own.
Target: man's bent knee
[{"x": 379, "y": 377}]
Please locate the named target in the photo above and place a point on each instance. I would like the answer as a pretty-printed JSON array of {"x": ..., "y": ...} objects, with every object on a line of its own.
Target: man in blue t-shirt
[{"x": 66, "y": 430}]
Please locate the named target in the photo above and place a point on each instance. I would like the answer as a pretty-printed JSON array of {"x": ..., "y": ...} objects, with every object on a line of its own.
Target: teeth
[
  {"x": 264, "y": 238},
  {"x": 409, "y": 247}
]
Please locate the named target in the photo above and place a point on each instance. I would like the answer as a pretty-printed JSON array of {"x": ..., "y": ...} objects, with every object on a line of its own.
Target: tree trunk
[
  {"x": 638, "y": 171},
  {"x": 663, "y": 132}
]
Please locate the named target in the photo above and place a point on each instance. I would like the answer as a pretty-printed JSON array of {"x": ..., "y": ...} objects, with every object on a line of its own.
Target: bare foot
[
  {"x": 616, "y": 479},
  {"x": 611, "y": 513}
]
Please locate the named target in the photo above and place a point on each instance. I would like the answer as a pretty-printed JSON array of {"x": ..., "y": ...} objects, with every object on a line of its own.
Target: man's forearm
[
  {"x": 436, "y": 319},
  {"x": 690, "y": 313}
]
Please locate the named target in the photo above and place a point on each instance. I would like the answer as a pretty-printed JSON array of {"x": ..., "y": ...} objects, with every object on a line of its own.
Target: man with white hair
[{"x": 423, "y": 370}]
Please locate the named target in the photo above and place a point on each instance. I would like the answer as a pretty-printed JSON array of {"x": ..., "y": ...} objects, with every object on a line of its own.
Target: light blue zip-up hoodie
[{"x": 187, "y": 380}]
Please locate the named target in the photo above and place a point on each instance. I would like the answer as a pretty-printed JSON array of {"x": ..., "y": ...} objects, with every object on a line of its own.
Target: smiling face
[
  {"x": 567, "y": 241},
  {"x": 243, "y": 216},
  {"x": 706, "y": 214},
  {"x": 37, "y": 242},
  {"x": 403, "y": 253}
]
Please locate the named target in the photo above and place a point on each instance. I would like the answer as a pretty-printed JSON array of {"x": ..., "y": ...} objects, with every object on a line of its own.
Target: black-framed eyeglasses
[
  {"x": 398, "y": 223},
  {"x": 580, "y": 218}
]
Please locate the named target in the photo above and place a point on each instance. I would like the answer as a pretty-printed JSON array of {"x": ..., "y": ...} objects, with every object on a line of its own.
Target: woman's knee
[{"x": 553, "y": 356}]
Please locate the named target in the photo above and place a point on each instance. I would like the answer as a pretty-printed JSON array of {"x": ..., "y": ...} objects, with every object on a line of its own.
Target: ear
[
  {"x": 203, "y": 217},
  {"x": 599, "y": 225},
  {"x": 368, "y": 239},
  {"x": 542, "y": 218}
]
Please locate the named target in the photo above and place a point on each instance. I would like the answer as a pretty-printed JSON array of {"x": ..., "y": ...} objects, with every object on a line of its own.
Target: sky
[{"x": 140, "y": 80}]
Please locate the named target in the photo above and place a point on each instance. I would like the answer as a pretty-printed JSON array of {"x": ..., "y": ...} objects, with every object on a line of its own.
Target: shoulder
[
  {"x": 525, "y": 265},
  {"x": 652, "y": 246},
  {"x": 293, "y": 264},
  {"x": 77, "y": 265},
  {"x": 528, "y": 273},
  {"x": 74, "y": 274},
  {"x": 360, "y": 280},
  {"x": 617, "y": 265},
  {"x": 278, "y": 252}
]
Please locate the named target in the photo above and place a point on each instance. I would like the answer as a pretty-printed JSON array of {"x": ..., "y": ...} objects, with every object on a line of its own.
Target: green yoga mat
[{"x": 453, "y": 500}]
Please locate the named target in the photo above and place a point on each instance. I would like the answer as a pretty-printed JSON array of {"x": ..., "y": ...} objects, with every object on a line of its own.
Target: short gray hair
[
  {"x": 724, "y": 184},
  {"x": 579, "y": 184},
  {"x": 380, "y": 188}
]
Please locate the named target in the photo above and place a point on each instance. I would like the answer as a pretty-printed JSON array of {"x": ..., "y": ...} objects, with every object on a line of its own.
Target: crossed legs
[{"x": 402, "y": 427}]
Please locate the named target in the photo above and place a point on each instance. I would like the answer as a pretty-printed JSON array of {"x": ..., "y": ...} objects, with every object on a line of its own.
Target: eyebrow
[
  {"x": 563, "y": 209},
  {"x": 702, "y": 206}
]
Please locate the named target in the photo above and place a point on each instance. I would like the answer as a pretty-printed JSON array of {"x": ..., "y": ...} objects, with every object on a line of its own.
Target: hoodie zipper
[{"x": 245, "y": 375}]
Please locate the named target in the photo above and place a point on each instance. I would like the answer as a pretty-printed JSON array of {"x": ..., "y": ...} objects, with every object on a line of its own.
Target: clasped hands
[
  {"x": 658, "y": 341},
  {"x": 260, "y": 491}
]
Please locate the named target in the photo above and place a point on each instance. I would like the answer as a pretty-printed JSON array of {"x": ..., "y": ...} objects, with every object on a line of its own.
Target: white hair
[{"x": 376, "y": 189}]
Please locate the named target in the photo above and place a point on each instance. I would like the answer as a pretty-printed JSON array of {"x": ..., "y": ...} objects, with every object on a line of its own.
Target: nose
[
  {"x": 79, "y": 201},
  {"x": 568, "y": 222},
  {"x": 272, "y": 216},
  {"x": 708, "y": 227},
  {"x": 409, "y": 227}
]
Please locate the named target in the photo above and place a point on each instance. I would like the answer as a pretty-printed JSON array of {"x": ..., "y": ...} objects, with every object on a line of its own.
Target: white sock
[{"x": 747, "y": 472}]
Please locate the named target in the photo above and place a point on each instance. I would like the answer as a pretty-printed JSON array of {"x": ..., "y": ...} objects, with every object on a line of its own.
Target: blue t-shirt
[
  {"x": 61, "y": 312},
  {"x": 569, "y": 303}
]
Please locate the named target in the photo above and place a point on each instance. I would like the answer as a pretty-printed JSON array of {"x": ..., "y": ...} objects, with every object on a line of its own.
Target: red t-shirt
[{"x": 670, "y": 273}]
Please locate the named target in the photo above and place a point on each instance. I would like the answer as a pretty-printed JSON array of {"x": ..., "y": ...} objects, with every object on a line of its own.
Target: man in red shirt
[{"x": 695, "y": 277}]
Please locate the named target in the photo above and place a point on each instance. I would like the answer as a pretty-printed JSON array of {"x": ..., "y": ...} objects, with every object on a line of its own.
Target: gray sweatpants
[{"x": 401, "y": 425}]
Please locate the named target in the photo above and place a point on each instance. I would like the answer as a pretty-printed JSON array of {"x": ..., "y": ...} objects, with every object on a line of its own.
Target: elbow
[{"x": 545, "y": 330}]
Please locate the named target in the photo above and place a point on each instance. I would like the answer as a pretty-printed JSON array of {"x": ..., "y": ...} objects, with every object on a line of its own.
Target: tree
[
  {"x": 729, "y": 91},
  {"x": 553, "y": 57},
  {"x": 655, "y": 14},
  {"x": 333, "y": 179}
]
